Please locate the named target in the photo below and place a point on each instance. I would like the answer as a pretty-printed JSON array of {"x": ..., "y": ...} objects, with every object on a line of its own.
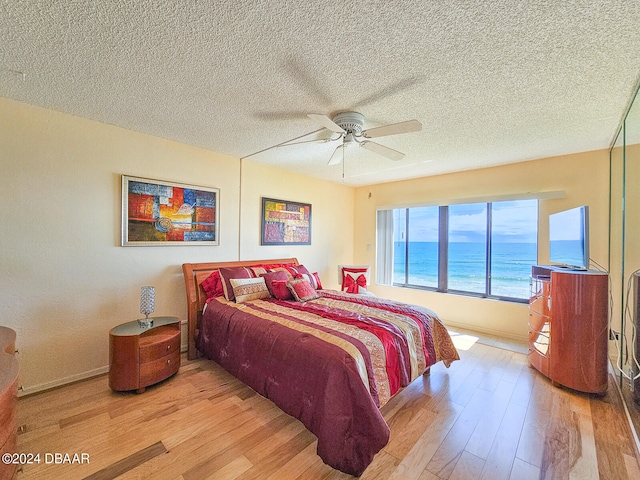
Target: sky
[
  {"x": 566, "y": 225},
  {"x": 512, "y": 221}
]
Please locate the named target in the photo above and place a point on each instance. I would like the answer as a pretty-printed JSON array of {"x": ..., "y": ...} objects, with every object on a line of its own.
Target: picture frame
[
  {"x": 285, "y": 222},
  {"x": 161, "y": 213}
]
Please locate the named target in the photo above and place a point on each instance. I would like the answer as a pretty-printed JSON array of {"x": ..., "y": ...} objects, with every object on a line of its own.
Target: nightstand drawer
[
  {"x": 164, "y": 341},
  {"x": 141, "y": 355},
  {"x": 157, "y": 370}
]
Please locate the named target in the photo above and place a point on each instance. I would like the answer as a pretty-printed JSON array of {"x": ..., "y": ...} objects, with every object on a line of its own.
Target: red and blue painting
[{"x": 164, "y": 213}]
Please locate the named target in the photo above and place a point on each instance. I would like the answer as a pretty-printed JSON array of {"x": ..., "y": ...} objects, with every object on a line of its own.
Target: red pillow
[
  {"x": 317, "y": 278},
  {"x": 226, "y": 274},
  {"x": 282, "y": 269},
  {"x": 302, "y": 290},
  {"x": 296, "y": 269},
  {"x": 354, "y": 279},
  {"x": 280, "y": 291},
  {"x": 309, "y": 278},
  {"x": 270, "y": 266},
  {"x": 212, "y": 285},
  {"x": 271, "y": 277}
]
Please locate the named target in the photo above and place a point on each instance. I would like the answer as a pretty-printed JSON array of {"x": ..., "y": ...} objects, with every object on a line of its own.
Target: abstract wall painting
[
  {"x": 285, "y": 222},
  {"x": 158, "y": 213}
]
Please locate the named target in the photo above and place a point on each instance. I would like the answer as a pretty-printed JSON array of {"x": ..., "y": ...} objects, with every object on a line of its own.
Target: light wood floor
[{"x": 488, "y": 416}]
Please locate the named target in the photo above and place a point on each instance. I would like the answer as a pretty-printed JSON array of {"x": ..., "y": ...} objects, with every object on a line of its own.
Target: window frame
[{"x": 443, "y": 254}]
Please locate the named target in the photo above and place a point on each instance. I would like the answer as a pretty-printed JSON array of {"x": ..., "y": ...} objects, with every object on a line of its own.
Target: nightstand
[{"x": 141, "y": 356}]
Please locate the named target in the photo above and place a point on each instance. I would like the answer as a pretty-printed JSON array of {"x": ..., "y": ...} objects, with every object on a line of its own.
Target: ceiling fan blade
[
  {"x": 326, "y": 122},
  {"x": 336, "y": 158},
  {"x": 382, "y": 150},
  {"x": 393, "y": 129}
]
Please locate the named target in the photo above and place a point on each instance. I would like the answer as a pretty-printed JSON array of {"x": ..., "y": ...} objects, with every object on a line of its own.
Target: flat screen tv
[{"x": 569, "y": 238}]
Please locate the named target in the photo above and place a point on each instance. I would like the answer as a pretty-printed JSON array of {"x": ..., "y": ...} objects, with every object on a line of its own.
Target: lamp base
[{"x": 145, "y": 322}]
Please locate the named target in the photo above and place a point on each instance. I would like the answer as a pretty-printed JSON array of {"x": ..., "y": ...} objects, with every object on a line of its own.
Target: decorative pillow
[
  {"x": 280, "y": 290},
  {"x": 296, "y": 269},
  {"x": 227, "y": 274},
  {"x": 309, "y": 278},
  {"x": 301, "y": 290},
  {"x": 246, "y": 289},
  {"x": 317, "y": 279},
  {"x": 354, "y": 279},
  {"x": 270, "y": 277},
  {"x": 258, "y": 270},
  {"x": 266, "y": 267},
  {"x": 212, "y": 285},
  {"x": 302, "y": 269},
  {"x": 282, "y": 269}
]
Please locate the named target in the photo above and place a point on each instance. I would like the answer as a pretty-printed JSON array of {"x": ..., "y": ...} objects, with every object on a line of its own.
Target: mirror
[{"x": 625, "y": 260}]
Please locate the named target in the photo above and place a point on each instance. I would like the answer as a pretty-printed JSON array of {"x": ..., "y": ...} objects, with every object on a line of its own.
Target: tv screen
[{"x": 569, "y": 238}]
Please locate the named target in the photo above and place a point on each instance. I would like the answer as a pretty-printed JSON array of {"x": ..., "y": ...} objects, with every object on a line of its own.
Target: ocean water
[
  {"x": 568, "y": 252},
  {"x": 510, "y": 272}
]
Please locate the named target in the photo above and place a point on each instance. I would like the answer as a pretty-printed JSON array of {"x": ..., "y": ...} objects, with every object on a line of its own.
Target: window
[
  {"x": 514, "y": 247},
  {"x": 482, "y": 249},
  {"x": 467, "y": 270},
  {"x": 416, "y": 251}
]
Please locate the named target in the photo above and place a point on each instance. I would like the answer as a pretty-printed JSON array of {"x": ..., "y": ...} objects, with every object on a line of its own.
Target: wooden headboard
[{"x": 194, "y": 275}]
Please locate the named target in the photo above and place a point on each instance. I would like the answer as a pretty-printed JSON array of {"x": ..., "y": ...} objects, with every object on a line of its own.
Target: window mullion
[
  {"x": 488, "y": 254},
  {"x": 443, "y": 248},
  {"x": 406, "y": 247}
]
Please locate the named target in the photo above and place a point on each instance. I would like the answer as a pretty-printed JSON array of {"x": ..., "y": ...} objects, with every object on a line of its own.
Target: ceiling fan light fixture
[
  {"x": 350, "y": 128},
  {"x": 350, "y": 139},
  {"x": 350, "y": 122}
]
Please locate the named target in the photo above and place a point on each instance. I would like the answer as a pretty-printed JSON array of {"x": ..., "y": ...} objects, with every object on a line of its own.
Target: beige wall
[
  {"x": 65, "y": 278},
  {"x": 332, "y": 211},
  {"x": 584, "y": 179},
  {"x": 66, "y": 281}
]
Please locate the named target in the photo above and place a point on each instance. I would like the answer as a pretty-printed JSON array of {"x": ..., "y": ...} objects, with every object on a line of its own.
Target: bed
[{"x": 331, "y": 361}]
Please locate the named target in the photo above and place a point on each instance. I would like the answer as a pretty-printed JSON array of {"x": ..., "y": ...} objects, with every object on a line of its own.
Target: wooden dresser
[
  {"x": 141, "y": 356},
  {"x": 8, "y": 399},
  {"x": 568, "y": 325}
]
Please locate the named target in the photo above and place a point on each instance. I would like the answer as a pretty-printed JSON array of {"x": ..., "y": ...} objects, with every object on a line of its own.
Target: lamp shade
[{"x": 147, "y": 300}]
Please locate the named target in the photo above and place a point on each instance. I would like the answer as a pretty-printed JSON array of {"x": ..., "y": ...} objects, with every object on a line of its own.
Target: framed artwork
[
  {"x": 285, "y": 222},
  {"x": 157, "y": 213}
]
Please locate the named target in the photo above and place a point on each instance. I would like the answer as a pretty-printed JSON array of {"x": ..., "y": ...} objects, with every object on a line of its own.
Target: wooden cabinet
[
  {"x": 8, "y": 399},
  {"x": 141, "y": 356},
  {"x": 568, "y": 325}
]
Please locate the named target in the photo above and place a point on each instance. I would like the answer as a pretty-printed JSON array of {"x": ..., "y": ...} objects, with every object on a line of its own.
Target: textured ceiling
[{"x": 491, "y": 82}]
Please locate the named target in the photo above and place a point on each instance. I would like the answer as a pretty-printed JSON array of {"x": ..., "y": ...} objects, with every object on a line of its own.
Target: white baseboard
[
  {"x": 61, "y": 382},
  {"x": 488, "y": 331}
]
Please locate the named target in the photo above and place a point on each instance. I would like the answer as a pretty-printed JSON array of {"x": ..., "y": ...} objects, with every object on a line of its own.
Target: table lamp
[{"x": 147, "y": 305}]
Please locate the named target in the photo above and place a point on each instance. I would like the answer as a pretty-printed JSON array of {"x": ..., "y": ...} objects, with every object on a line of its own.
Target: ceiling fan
[{"x": 349, "y": 127}]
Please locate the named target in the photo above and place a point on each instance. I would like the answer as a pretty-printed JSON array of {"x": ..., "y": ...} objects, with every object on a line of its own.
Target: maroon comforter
[{"x": 321, "y": 370}]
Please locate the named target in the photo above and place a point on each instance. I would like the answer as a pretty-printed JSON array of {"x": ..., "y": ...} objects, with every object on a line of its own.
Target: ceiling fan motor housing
[{"x": 351, "y": 122}]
